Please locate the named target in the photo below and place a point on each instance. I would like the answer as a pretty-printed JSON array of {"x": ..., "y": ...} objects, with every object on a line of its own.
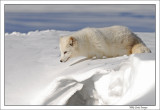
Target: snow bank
[
  {"x": 34, "y": 75},
  {"x": 119, "y": 86}
]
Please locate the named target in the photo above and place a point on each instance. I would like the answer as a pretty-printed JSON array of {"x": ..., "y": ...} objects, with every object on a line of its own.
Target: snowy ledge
[
  {"x": 33, "y": 69},
  {"x": 132, "y": 80}
]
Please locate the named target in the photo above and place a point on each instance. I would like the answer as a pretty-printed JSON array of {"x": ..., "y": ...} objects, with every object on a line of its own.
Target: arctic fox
[{"x": 99, "y": 42}]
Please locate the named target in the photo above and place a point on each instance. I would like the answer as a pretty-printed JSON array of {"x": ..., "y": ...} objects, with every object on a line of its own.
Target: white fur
[{"x": 109, "y": 41}]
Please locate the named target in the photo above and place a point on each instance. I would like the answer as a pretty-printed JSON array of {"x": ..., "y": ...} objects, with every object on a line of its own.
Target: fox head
[{"x": 68, "y": 48}]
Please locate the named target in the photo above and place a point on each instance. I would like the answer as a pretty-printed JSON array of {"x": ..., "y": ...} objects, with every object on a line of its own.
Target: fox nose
[{"x": 60, "y": 60}]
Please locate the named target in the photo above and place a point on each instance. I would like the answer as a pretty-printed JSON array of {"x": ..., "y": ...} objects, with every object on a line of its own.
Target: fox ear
[{"x": 72, "y": 41}]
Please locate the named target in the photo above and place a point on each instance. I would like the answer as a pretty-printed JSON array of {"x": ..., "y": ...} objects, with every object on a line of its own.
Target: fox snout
[
  {"x": 64, "y": 60},
  {"x": 61, "y": 60}
]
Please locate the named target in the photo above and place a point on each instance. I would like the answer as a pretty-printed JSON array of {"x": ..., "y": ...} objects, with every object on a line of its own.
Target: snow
[{"x": 35, "y": 76}]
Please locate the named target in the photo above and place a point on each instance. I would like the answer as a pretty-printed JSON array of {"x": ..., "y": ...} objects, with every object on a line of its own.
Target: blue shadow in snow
[{"x": 25, "y": 22}]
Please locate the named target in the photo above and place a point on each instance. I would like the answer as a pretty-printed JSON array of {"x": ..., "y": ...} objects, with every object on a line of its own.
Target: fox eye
[
  {"x": 65, "y": 52},
  {"x": 71, "y": 44}
]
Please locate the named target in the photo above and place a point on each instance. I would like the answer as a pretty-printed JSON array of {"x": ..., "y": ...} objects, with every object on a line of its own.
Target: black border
[{"x": 82, "y": 4}]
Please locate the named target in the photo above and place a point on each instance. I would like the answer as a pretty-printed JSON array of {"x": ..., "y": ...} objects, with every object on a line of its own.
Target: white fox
[{"x": 99, "y": 42}]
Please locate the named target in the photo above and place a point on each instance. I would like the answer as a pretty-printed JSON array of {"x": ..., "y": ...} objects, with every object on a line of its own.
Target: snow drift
[{"x": 34, "y": 75}]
